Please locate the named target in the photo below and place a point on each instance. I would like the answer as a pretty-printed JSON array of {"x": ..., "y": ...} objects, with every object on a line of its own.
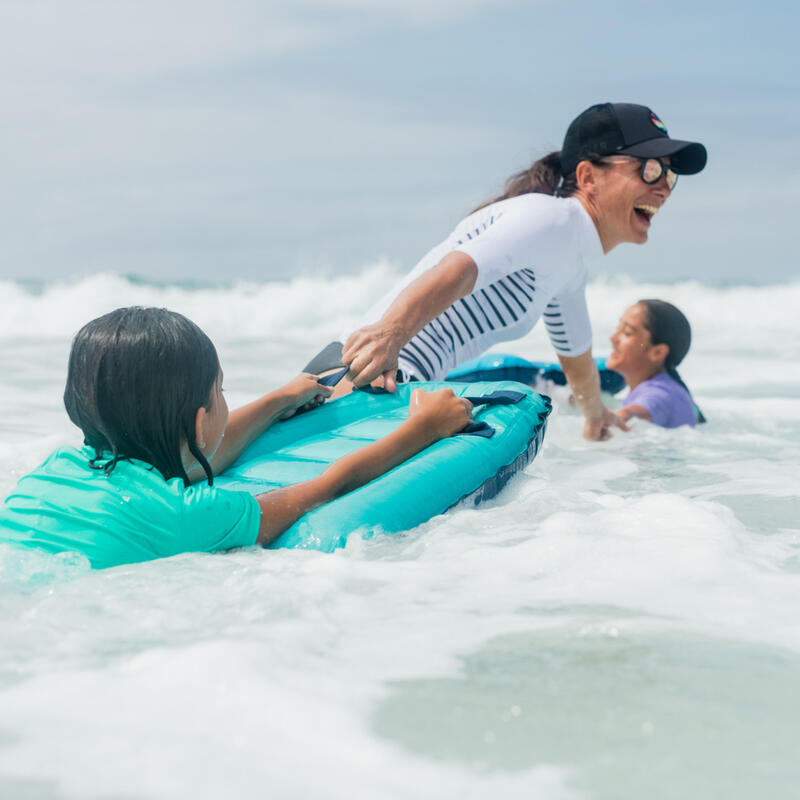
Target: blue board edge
[
  {"x": 492, "y": 486},
  {"x": 507, "y": 367}
]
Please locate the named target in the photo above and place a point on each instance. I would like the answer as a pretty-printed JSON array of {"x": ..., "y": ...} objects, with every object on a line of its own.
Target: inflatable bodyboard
[{"x": 470, "y": 467}]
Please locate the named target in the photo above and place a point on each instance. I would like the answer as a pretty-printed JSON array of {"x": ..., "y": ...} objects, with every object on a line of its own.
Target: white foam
[
  {"x": 299, "y": 311},
  {"x": 260, "y": 671}
]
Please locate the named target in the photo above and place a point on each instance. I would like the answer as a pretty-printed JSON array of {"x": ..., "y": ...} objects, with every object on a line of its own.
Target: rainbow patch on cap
[{"x": 658, "y": 123}]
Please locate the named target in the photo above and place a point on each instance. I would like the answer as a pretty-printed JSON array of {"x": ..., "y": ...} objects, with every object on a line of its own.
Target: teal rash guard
[{"x": 131, "y": 515}]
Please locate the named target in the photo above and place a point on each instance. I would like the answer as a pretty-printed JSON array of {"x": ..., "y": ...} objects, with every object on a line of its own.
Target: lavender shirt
[{"x": 669, "y": 404}]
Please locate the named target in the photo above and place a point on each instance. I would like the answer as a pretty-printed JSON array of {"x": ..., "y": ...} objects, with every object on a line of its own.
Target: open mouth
[{"x": 645, "y": 212}]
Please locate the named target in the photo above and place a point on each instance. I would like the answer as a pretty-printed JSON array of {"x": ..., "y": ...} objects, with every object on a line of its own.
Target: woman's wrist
[
  {"x": 396, "y": 330},
  {"x": 590, "y": 402}
]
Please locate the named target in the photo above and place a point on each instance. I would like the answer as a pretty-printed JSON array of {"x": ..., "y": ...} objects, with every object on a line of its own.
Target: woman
[
  {"x": 652, "y": 339},
  {"x": 523, "y": 256}
]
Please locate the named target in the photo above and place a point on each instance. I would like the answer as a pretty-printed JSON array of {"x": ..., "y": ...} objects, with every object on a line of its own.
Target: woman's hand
[
  {"x": 443, "y": 412},
  {"x": 584, "y": 380},
  {"x": 371, "y": 352},
  {"x": 302, "y": 391},
  {"x": 597, "y": 428}
]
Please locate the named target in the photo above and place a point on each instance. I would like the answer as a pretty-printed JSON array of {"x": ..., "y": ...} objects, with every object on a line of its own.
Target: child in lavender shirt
[
  {"x": 664, "y": 399},
  {"x": 652, "y": 338}
]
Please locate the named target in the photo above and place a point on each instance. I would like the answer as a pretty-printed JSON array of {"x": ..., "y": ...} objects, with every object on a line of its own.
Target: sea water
[{"x": 622, "y": 622}]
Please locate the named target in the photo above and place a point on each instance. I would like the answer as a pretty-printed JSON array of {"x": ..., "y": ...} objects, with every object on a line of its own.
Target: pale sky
[{"x": 214, "y": 139}]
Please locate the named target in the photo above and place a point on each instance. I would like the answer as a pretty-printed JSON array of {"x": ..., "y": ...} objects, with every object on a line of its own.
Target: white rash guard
[{"x": 531, "y": 253}]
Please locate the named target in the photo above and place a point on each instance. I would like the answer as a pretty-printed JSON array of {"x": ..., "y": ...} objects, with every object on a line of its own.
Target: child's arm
[
  {"x": 432, "y": 416},
  {"x": 247, "y": 423},
  {"x": 634, "y": 411}
]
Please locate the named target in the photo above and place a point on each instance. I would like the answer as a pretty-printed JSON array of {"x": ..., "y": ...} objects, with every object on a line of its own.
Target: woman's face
[
  {"x": 632, "y": 347},
  {"x": 624, "y": 204}
]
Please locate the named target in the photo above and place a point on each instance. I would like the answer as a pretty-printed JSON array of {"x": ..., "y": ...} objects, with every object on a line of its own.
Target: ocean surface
[{"x": 622, "y": 622}]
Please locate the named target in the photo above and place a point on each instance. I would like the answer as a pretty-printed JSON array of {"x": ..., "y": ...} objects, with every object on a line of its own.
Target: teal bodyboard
[{"x": 460, "y": 469}]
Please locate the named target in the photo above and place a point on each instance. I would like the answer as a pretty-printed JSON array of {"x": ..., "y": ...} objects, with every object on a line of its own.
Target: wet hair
[
  {"x": 544, "y": 176},
  {"x": 136, "y": 378},
  {"x": 668, "y": 325}
]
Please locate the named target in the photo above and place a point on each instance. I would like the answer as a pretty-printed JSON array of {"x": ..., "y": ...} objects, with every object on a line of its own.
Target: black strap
[
  {"x": 326, "y": 380},
  {"x": 371, "y": 389},
  {"x": 503, "y": 397},
  {"x": 333, "y": 378},
  {"x": 477, "y": 429}
]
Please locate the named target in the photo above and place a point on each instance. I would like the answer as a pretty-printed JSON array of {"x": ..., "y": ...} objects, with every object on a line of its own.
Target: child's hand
[
  {"x": 445, "y": 413},
  {"x": 303, "y": 391}
]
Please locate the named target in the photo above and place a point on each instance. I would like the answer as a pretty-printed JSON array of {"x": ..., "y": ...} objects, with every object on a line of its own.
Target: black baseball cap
[{"x": 609, "y": 129}]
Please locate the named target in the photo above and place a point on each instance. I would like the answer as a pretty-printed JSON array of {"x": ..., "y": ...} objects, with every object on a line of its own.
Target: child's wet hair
[
  {"x": 136, "y": 378},
  {"x": 667, "y": 324}
]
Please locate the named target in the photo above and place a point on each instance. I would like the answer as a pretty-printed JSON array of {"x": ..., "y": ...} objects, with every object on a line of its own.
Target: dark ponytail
[
  {"x": 668, "y": 325},
  {"x": 544, "y": 176}
]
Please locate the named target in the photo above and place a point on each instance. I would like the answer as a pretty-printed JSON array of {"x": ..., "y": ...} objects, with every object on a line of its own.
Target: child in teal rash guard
[{"x": 145, "y": 387}]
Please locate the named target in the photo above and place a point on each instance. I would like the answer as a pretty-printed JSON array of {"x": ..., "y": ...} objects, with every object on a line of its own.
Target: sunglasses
[{"x": 652, "y": 170}]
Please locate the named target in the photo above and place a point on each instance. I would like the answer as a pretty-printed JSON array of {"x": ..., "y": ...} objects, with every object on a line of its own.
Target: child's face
[
  {"x": 632, "y": 347},
  {"x": 216, "y": 419}
]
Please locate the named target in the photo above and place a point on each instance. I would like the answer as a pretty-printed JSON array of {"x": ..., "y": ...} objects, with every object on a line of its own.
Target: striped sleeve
[{"x": 566, "y": 320}]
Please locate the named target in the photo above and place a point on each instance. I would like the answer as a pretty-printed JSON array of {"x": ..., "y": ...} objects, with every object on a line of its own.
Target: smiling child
[{"x": 652, "y": 339}]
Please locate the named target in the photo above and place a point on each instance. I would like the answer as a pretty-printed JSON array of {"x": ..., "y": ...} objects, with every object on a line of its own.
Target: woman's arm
[
  {"x": 584, "y": 380},
  {"x": 372, "y": 350},
  {"x": 432, "y": 416}
]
